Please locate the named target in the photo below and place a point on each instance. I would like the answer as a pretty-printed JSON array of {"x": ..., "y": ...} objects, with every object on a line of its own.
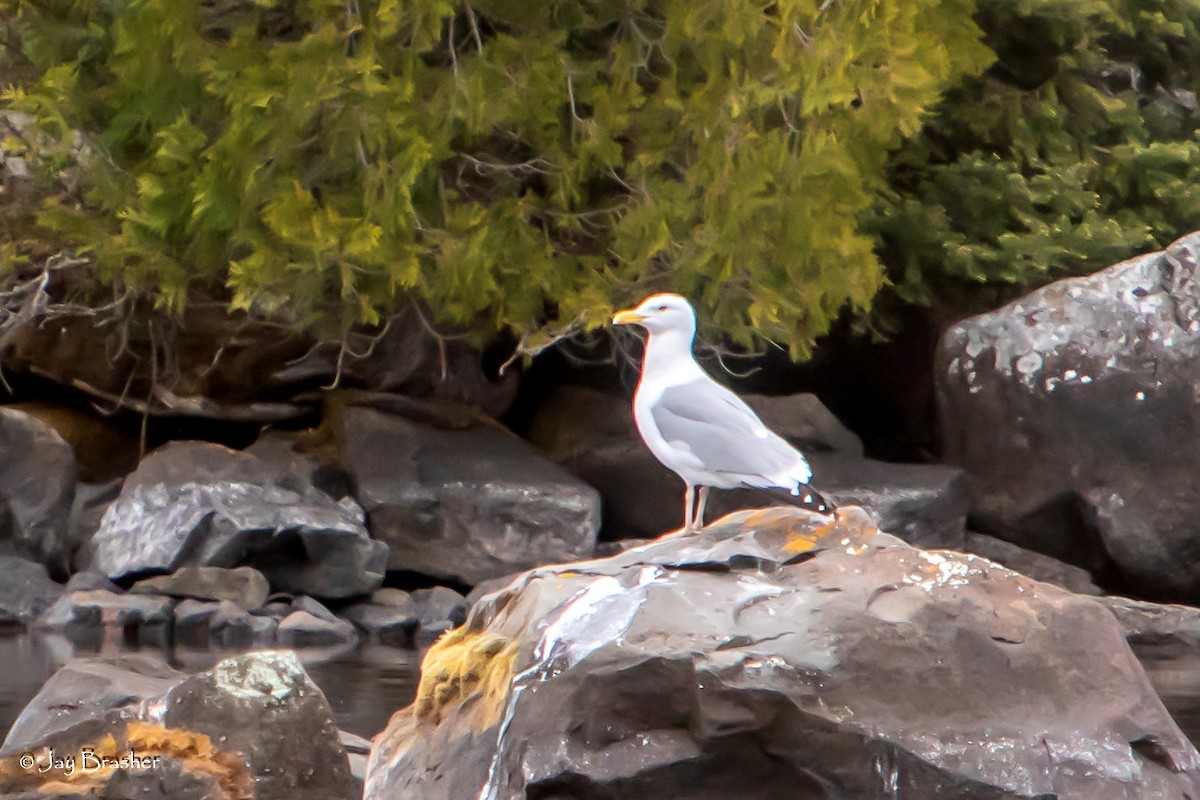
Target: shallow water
[{"x": 365, "y": 684}]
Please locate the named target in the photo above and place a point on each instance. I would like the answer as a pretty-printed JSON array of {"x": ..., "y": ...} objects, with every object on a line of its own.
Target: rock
[
  {"x": 923, "y": 504},
  {"x": 199, "y": 504},
  {"x": 438, "y": 608},
  {"x": 89, "y": 689},
  {"x": 192, "y": 619},
  {"x": 104, "y": 450},
  {"x": 37, "y": 486},
  {"x": 358, "y": 750},
  {"x": 592, "y": 434},
  {"x": 304, "y": 629},
  {"x": 1148, "y": 623},
  {"x": 87, "y": 512},
  {"x": 26, "y": 590},
  {"x": 90, "y": 579},
  {"x": 391, "y": 625},
  {"x": 244, "y": 586},
  {"x": 264, "y": 706},
  {"x": 232, "y": 627},
  {"x": 1035, "y": 565},
  {"x": 83, "y": 616},
  {"x": 314, "y": 607},
  {"x": 465, "y": 504},
  {"x": 1073, "y": 410},
  {"x": 252, "y": 726},
  {"x": 778, "y": 654},
  {"x": 388, "y": 596}
]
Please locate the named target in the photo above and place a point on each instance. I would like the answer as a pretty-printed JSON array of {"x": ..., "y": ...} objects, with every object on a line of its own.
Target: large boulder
[
  {"x": 1075, "y": 411},
  {"x": 781, "y": 654},
  {"x": 592, "y": 434},
  {"x": 254, "y": 725},
  {"x": 462, "y": 499},
  {"x": 37, "y": 487},
  {"x": 200, "y": 504}
]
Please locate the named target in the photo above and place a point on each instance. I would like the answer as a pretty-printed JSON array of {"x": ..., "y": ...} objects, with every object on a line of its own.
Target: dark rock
[
  {"x": 26, "y": 590},
  {"x": 465, "y": 504},
  {"x": 37, "y": 486},
  {"x": 1073, "y": 410},
  {"x": 199, "y": 504},
  {"x": 90, "y": 579},
  {"x": 192, "y": 619},
  {"x": 358, "y": 750},
  {"x": 89, "y": 689},
  {"x": 1148, "y": 623},
  {"x": 392, "y": 625},
  {"x": 304, "y": 629},
  {"x": 923, "y": 504},
  {"x": 314, "y": 607},
  {"x": 1035, "y": 565},
  {"x": 231, "y": 627},
  {"x": 388, "y": 596},
  {"x": 264, "y": 706},
  {"x": 779, "y": 654},
  {"x": 244, "y": 586},
  {"x": 104, "y": 450},
  {"x": 83, "y": 616},
  {"x": 252, "y": 726}
]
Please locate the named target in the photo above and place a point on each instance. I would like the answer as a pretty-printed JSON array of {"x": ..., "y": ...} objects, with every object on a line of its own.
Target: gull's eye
[{"x": 662, "y": 308}]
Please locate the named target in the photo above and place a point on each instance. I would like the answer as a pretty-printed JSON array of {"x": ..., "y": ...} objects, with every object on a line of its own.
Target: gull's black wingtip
[{"x": 806, "y": 497}]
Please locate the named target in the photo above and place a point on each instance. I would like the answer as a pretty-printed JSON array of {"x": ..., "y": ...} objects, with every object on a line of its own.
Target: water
[
  {"x": 1175, "y": 674},
  {"x": 365, "y": 684}
]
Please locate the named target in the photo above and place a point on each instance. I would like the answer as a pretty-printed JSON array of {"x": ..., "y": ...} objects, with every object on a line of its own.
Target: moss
[{"x": 464, "y": 666}]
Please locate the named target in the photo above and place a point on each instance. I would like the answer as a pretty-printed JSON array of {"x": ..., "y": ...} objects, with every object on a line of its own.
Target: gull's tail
[{"x": 803, "y": 496}]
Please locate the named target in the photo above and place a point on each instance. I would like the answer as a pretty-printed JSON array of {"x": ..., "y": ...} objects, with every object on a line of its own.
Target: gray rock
[
  {"x": 232, "y": 627},
  {"x": 304, "y": 629},
  {"x": 192, "y": 619},
  {"x": 1035, "y": 565},
  {"x": 244, "y": 586},
  {"x": 439, "y": 607},
  {"x": 467, "y": 503},
  {"x": 314, "y": 607},
  {"x": 89, "y": 689},
  {"x": 391, "y": 625},
  {"x": 388, "y": 596},
  {"x": 264, "y": 706},
  {"x": 37, "y": 486},
  {"x": 90, "y": 579},
  {"x": 26, "y": 590},
  {"x": 199, "y": 504},
  {"x": 779, "y": 654},
  {"x": 87, "y": 511},
  {"x": 83, "y": 616},
  {"x": 1148, "y": 623},
  {"x": 1074, "y": 411}
]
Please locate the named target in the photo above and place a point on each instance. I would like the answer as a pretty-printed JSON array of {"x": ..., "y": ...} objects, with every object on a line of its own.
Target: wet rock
[
  {"x": 199, "y": 504},
  {"x": 37, "y": 486},
  {"x": 465, "y": 503},
  {"x": 87, "y": 512},
  {"x": 25, "y": 590},
  {"x": 264, "y": 706},
  {"x": 305, "y": 629},
  {"x": 232, "y": 627},
  {"x": 192, "y": 619},
  {"x": 390, "y": 624},
  {"x": 84, "y": 616},
  {"x": 1073, "y": 410},
  {"x": 776, "y": 654},
  {"x": 89, "y": 689},
  {"x": 357, "y": 750},
  {"x": 244, "y": 586},
  {"x": 1148, "y": 623},
  {"x": 1035, "y": 565}
]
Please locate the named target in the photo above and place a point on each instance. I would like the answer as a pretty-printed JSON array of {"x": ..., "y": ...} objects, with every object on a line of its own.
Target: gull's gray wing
[{"x": 719, "y": 429}]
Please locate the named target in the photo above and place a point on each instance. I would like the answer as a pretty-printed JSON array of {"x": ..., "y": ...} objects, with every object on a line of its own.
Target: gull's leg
[
  {"x": 700, "y": 507},
  {"x": 688, "y": 495}
]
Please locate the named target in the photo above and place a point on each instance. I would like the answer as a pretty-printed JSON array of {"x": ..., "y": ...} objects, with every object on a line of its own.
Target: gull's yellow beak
[{"x": 628, "y": 317}]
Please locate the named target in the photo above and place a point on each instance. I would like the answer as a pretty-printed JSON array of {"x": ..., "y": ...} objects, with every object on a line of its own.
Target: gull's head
[{"x": 660, "y": 313}]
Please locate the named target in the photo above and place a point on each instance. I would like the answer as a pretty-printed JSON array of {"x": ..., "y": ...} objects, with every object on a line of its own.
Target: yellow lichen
[{"x": 466, "y": 665}]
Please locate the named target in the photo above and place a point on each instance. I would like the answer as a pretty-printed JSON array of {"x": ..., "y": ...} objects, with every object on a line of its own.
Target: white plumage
[{"x": 695, "y": 426}]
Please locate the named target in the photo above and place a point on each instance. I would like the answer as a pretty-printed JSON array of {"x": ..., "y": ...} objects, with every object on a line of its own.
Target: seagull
[{"x": 696, "y": 427}]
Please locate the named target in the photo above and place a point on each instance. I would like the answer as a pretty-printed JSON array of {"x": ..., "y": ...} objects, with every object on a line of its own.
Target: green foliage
[
  {"x": 518, "y": 166},
  {"x": 1077, "y": 148}
]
